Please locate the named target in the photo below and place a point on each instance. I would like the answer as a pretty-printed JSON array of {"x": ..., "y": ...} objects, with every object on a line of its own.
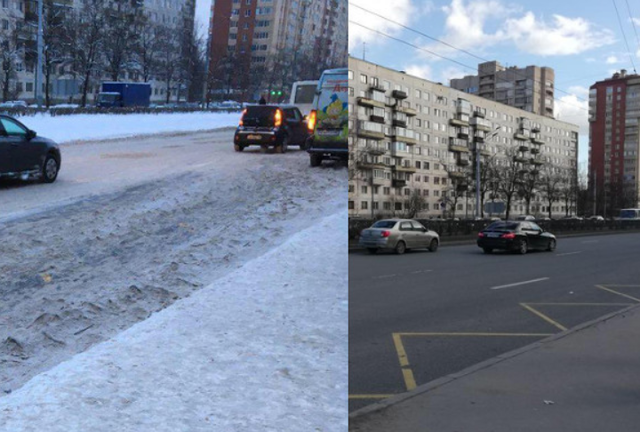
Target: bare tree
[
  {"x": 550, "y": 186},
  {"x": 56, "y": 40},
  {"x": 414, "y": 205},
  {"x": 168, "y": 40},
  {"x": 123, "y": 21},
  {"x": 509, "y": 176},
  {"x": 569, "y": 188},
  {"x": 11, "y": 54}
]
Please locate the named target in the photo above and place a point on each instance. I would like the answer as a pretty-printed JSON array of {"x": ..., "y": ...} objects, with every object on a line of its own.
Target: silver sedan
[{"x": 398, "y": 235}]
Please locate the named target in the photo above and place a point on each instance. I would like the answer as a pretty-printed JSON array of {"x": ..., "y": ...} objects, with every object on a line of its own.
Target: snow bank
[
  {"x": 263, "y": 349},
  {"x": 100, "y": 126}
]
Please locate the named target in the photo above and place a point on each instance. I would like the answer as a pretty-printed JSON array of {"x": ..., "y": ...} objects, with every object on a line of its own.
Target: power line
[
  {"x": 624, "y": 36},
  {"x": 443, "y": 57},
  {"x": 633, "y": 23},
  {"x": 453, "y": 47}
]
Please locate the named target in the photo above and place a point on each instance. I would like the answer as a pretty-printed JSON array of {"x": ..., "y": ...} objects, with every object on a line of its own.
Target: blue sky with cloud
[{"x": 580, "y": 40}]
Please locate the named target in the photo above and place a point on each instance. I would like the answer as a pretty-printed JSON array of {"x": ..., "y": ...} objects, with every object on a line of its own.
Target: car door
[
  {"x": 407, "y": 234},
  {"x": 422, "y": 236},
  {"x": 294, "y": 121},
  {"x": 23, "y": 155},
  {"x": 533, "y": 235},
  {"x": 540, "y": 240},
  {"x": 5, "y": 154}
]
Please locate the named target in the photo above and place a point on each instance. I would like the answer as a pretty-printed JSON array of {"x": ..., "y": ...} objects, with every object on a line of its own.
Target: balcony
[
  {"x": 404, "y": 169},
  {"x": 406, "y": 136},
  {"x": 399, "y": 94},
  {"x": 478, "y": 114},
  {"x": 534, "y": 150},
  {"x": 485, "y": 153},
  {"x": 456, "y": 175},
  {"x": 366, "y": 165},
  {"x": 377, "y": 87},
  {"x": 367, "y": 129},
  {"x": 396, "y": 183},
  {"x": 463, "y": 133},
  {"x": 537, "y": 139},
  {"x": 521, "y": 159},
  {"x": 479, "y": 136},
  {"x": 463, "y": 161},
  {"x": 407, "y": 111},
  {"x": 521, "y": 136},
  {"x": 368, "y": 102},
  {"x": 377, "y": 181},
  {"x": 458, "y": 122},
  {"x": 523, "y": 148},
  {"x": 376, "y": 119},
  {"x": 480, "y": 124},
  {"x": 375, "y": 150},
  {"x": 458, "y": 145},
  {"x": 537, "y": 162},
  {"x": 399, "y": 122}
]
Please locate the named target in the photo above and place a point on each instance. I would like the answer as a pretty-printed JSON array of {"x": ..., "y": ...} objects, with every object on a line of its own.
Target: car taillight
[
  {"x": 508, "y": 236},
  {"x": 278, "y": 118},
  {"x": 244, "y": 111},
  {"x": 480, "y": 234},
  {"x": 311, "y": 121},
  {"x": 385, "y": 233}
]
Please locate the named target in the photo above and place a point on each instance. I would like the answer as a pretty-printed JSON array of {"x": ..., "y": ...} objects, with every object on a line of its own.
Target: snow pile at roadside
[
  {"x": 262, "y": 349},
  {"x": 101, "y": 126}
]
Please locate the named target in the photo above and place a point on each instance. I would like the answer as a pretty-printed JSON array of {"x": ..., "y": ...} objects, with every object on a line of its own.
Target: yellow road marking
[
  {"x": 407, "y": 373},
  {"x": 618, "y": 293},
  {"x": 370, "y": 396},
  {"x": 543, "y": 316},
  {"x": 478, "y": 334}
]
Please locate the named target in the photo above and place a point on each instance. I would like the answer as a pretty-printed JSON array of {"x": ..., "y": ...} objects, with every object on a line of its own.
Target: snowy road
[{"x": 133, "y": 225}]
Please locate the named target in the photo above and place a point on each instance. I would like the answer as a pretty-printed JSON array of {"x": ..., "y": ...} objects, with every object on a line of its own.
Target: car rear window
[
  {"x": 502, "y": 226},
  {"x": 384, "y": 224},
  {"x": 259, "y": 115}
]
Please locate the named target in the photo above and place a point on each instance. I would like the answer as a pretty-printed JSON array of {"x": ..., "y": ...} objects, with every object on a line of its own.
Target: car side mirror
[
  {"x": 31, "y": 134},
  {"x": 424, "y": 229}
]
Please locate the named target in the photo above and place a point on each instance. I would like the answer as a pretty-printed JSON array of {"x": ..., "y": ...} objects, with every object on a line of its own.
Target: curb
[{"x": 377, "y": 407}]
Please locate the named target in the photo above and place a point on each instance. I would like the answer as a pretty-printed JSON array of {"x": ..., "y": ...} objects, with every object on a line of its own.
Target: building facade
[
  {"x": 614, "y": 143},
  {"x": 530, "y": 88},
  {"x": 258, "y": 45},
  {"x": 18, "y": 19},
  {"x": 411, "y": 137}
]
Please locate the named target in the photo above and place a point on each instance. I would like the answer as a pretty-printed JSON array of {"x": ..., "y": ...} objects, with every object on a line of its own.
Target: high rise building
[
  {"x": 409, "y": 136},
  {"x": 257, "y": 45},
  {"x": 614, "y": 143},
  {"x": 530, "y": 88}
]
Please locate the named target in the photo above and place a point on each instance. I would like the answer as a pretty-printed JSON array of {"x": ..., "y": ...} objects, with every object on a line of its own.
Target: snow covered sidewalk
[{"x": 262, "y": 349}]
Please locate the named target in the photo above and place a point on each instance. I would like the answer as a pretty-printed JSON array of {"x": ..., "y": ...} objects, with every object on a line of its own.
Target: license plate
[
  {"x": 254, "y": 137},
  {"x": 493, "y": 235}
]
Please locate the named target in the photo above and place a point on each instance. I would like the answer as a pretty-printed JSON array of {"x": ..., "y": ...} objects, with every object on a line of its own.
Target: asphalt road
[{"x": 421, "y": 316}]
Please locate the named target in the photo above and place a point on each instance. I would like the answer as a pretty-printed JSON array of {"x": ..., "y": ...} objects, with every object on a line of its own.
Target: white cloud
[
  {"x": 420, "y": 71},
  {"x": 450, "y": 73},
  {"x": 572, "y": 110},
  {"x": 401, "y": 11},
  {"x": 563, "y": 36},
  {"x": 580, "y": 91},
  {"x": 612, "y": 60}
]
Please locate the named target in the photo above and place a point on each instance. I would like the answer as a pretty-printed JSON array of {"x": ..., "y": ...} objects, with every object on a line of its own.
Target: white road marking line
[
  {"x": 420, "y": 271},
  {"x": 384, "y": 276},
  {"x": 591, "y": 241},
  {"x": 519, "y": 283},
  {"x": 568, "y": 253}
]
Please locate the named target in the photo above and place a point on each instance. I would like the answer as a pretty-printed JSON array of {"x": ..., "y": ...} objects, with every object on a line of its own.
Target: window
[
  {"x": 363, "y": 78},
  {"x": 12, "y": 129},
  {"x": 364, "y": 205}
]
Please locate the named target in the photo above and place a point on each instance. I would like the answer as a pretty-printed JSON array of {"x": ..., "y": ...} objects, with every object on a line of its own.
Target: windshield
[
  {"x": 628, "y": 214},
  {"x": 384, "y": 224},
  {"x": 305, "y": 93}
]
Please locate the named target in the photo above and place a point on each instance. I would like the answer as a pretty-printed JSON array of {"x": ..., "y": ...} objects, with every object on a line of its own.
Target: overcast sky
[{"x": 203, "y": 8}]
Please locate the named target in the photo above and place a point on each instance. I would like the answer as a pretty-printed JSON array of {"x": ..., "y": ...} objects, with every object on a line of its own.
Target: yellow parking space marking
[
  {"x": 602, "y": 287},
  {"x": 543, "y": 316},
  {"x": 407, "y": 373},
  {"x": 370, "y": 396},
  {"x": 472, "y": 334}
]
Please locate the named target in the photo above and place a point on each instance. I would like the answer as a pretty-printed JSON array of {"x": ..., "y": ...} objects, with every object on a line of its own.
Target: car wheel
[
  {"x": 433, "y": 246},
  {"x": 50, "y": 169},
  {"x": 315, "y": 160},
  {"x": 372, "y": 251},
  {"x": 523, "y": 247},
  {"x": 238, "y": 147},
  {"x": 552, "y": 245},
  {"x": 487, "y": 250},
  {"x": 401, "y": 247},
  {"x": 284, "y": 145}
]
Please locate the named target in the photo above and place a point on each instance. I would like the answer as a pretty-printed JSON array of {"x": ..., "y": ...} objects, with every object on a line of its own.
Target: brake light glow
[
  {"x": 278, "y": 118},
  {"x": 480, "y": 234},
  {"x": 385, "y": 233},
  {"x": 244, "y": 111},
  {"x": 508, "y": 236},
  {"x": 311, "y": 121}
]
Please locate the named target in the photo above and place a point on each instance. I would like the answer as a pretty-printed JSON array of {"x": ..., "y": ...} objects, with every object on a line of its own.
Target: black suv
[
  {"x": 267, "y": 126},
  {"x": 24, "y": 155}
]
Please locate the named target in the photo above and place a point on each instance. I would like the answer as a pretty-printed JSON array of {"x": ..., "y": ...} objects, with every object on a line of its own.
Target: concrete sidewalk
[{"x": 586, "y": 379}]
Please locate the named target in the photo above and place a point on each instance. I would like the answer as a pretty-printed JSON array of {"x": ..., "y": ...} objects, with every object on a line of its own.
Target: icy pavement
[
  {"x": 63, "y": 129},
  {"x": 261, "y": 349}
]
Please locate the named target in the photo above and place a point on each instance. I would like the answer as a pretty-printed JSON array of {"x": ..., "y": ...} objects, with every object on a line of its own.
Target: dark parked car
[
  {"x": 25, "y": 155},
  {"x": 267, "y": 126},
  {"x": 518, "y": 236}
]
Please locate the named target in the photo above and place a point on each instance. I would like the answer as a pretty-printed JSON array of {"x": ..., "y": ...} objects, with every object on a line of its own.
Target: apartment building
[
  {"x": 530, "y": 88},
  {"x": 409, "y": 135},
  {"x": 281, "y": 40},
  {"x": 614, "y": 142},
  {"x": 18, "y": 18}
]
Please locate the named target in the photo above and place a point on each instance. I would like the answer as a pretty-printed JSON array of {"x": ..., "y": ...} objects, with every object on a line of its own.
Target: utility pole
[{"x": 40, "y": 43}]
